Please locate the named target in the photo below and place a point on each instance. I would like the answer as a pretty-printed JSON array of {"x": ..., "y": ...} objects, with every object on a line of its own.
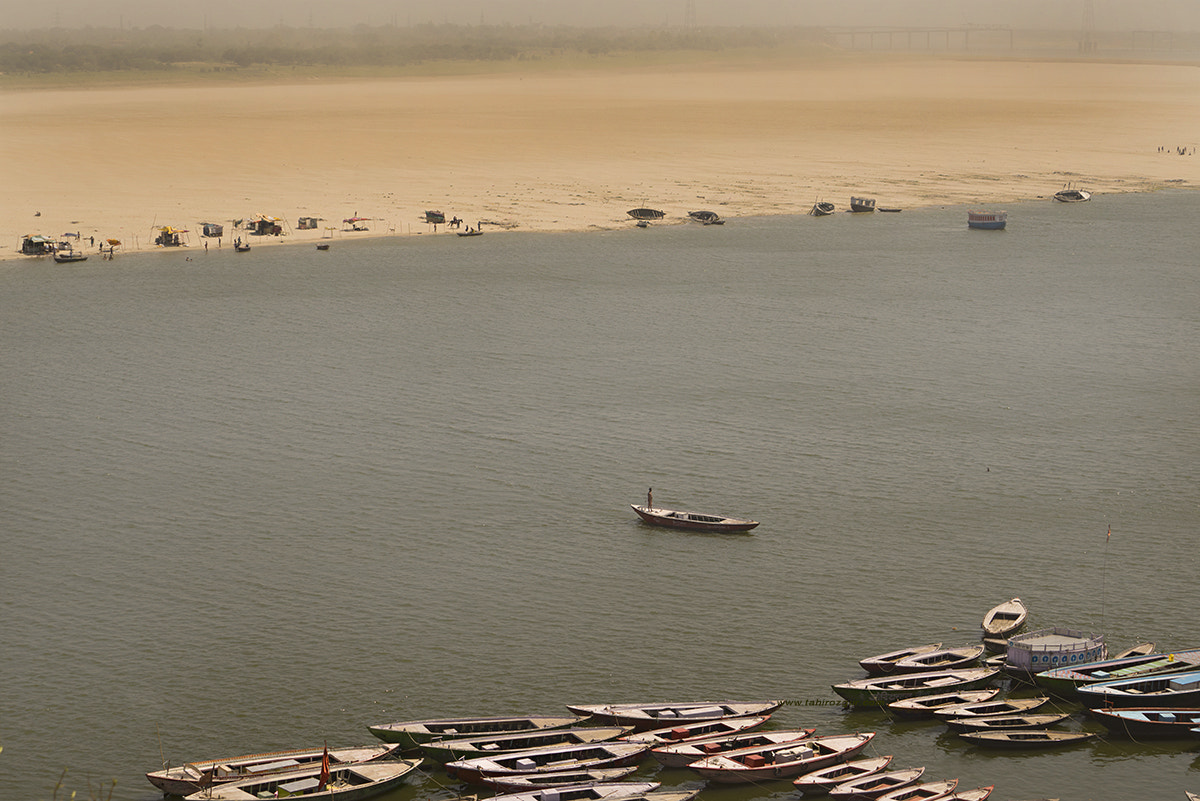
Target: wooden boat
[
  {"x": 941, "y": 659},
  {"x": 862, "y": 204},
  {"x": 1191, "y": 796},
  {"x": 1150, "y": 722},
  {"x": 411, "y": 733},
  {"x": 822, "y": 208},
  {"x": 1042, "y": 720},
  {"x": 680, "y": 755},
  {"x": 889, "y": 209},
  {"x": 343, "y": 783},
  {"x": 822, "y": 781},
  {"x": 323, "y": 246},
  {"x": 782, "y": 761},
  {"x": 1026, "y": 738},
  {"x": 987, "y": 220},
  {"x": 1004, "y": 620},
  {"x": 544, "y": 760},
  {"x": 192, "y": 776},
  {"x": 879, "y": 691},
  {"x": 876, "y": 784},
  {"x": 885, "y": 663},
  {"x": 1004, "y": 706},
  {"x": 657, "y": 716},
  {"x": 1069, "y": 194},
  {"x": 1066, "y": 681},
  {"x": 646, "y": 214},
  {"x": 706, "y": 729},
  {"x": 521, "y": 782},
  {"x": 974, "y": 794},
  {"x": 925, "y": 706},
  {"x": 925, "y": 791},
  {"x": 673, "y": 518},
  {"x": 470, "y": 232},
  {"x": 584, "y": 792},
  {"x": 69, "y": 256},
  {"x": 995, "y": 645},
  {"x": 706, "y": 217},
  {"x": 1163, "y": 690},
  {"x": 449, "y": 750},
  {"x": 1141, "y": 649}
]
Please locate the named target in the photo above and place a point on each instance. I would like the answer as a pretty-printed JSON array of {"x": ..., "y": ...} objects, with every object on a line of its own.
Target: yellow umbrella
[{"x": 113, "y": 241}]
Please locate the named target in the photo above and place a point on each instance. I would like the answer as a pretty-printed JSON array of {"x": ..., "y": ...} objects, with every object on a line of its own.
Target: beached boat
[
  {"x": 1069, "y": 194},
  {"x": 882, "y": 664},
  {"x": 1004, "y": 706},
  {"x": 890, "y": 209},
  {"x": 1026, "y": 738},
  {"x": 705, "y": 729},
  {"x": 974, "y": 794},
  {"x": 449, "y": 750},
  {"x": 859, "y": 205},
  {"x": 192, "y": 776},
  {"x": 822, "y": 208},
  {"x": 471, "y": 232},
  {"x": 1150, "y": 722},
  {"x": 1043, "y": 720},
  {"x": 335, "y": 782},
  {"x": 646, "y": 214},
  {"x": 987, "y": 220},
  {"x": 783, "y": 761},
  {"x": 1066, "y": 681},
  {"x": 924, "y": 791},
  {"x": 520, "y": 782},
  {"x": 585, "y": 792},
  {"x": 696, "y": 521},
  {"x": 706, "y": 217},
  {"x": 1165, "y": 690},
  {"x": 435, "y": 217},
  {"x": 941, "y": 659},
  {"x": 879, "y": 691},
  {"x": 819, "y": 782},
  {"x": 544, "y": 760},
  {"x": 411, "y": 733},
  {"x": 657, "y": 716},
  {"x": 924, "y": 706},
  {"x": 876, "y": 784},
  {"x": 680, "y": 755},
  {"x": 1004, "y": 620}
]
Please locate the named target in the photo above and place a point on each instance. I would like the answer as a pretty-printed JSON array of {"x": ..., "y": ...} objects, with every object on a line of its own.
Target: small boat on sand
[
  {"x": 858, "y": 205},
  {"x": 1004, "y": 620},
  {"x": 646, "y": 214},
  {"x": 545, "y": 760},
  {"x": 1026, "y": 738},
  {"x": 520, "y": 782},
  {"x": 706, "y": 217},
  {"x": 1042, "y": 720},
  {"x": 880, "y": 691},
  {"x": 491, "y": 744},
  {"x": 876, "y": 784},
  {"x": 925, "y": 791},
  {"x": 822, "y": 208},
  {"x": 925, "y": 706},
  {"x": 331, "y": 782},
  {"x": 680, "y": 755},
  {"x": 1070, "y": 194},
  {"x": 193, "y": 776},
  {"x": 783, "y": 761},
  {"x": 705, "y": 729},
  {"x": 657, "y": 716},
  {"x": 411, "y": 733},
  {"x": 882, "y": 664},
  {"x": 822, "y": 781}
]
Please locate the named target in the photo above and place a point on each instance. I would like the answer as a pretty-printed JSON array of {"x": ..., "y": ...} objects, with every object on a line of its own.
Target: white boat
[
  {"x": 411, "y": 733},
  {"x": 545, "y": 760},
  {"x": 1069, "y": 194},
  {"x": 783, "y": 761},
  {"x": 1004, "y": 619},
  {"x": 705, "y": 729},
  {"x": 657, "y": 716},
  {"x": 338, "y": 783},
  {"x": 680, "y": 755}
]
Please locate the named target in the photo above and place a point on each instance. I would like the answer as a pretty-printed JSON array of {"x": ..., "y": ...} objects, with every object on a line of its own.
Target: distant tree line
[{"x": 158, "y": 49}]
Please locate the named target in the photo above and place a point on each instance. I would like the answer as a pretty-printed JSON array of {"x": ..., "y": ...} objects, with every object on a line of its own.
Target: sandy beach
[{"x": 559, "y": 150}]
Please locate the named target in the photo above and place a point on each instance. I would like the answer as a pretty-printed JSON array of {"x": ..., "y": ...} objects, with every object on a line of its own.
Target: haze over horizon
[{"x": 1156, "y": 15}]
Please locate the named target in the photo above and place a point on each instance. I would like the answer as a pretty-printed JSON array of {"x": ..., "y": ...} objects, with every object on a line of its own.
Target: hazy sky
[{"x": 1061, "y": 14}]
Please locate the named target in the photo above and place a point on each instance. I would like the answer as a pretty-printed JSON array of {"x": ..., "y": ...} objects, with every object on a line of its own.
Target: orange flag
[{"x": 323, "y": 778}]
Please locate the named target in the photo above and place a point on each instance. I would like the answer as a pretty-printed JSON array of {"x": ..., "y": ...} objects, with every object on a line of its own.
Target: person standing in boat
[{"x": 650, "y": 498}]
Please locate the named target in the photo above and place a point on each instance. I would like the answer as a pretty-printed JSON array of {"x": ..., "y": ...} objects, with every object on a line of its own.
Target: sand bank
[{"x": 574, "y": 151}]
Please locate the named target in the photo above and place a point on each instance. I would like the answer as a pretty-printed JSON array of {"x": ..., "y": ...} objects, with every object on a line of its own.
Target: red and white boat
[{"x": 783, "y": 761}]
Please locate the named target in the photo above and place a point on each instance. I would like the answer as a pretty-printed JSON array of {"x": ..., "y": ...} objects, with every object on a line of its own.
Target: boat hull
[
  {"x": 410, "y": 734},
  {"x": 1150, "y": 723},
  {"x": 880, "y": 692},
  {"x": 695, "y": 521},
  {"x": 725, "y": 769},
  {"x": 187, "y": 778},
  {"x": 1024, "y": 739}
]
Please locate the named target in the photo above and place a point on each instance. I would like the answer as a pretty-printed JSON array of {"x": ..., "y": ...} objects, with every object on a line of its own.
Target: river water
[{"x": 262, "y": 500}]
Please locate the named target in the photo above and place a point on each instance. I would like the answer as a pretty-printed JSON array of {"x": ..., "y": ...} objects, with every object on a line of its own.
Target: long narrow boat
[
  {"x": 705, "y": 729},
  {"x": 696, "y": 521},
  {"x": 545, "y": 760},
  {"x": 680, "y": 755},
  {"x": 584, "y": 792},
  {"x": 1003, "y": 706},
  {"x": 882, "y": 664},
  {"x": 343, "y": 783},
  {"x": 941, "y": 659},
  {"x": 1066, "y": 681},
  {"x": 1164, "y": 690},
  {"x": 819, "y": 782},
  {"x": 876, "y": 784},
  {"x": 1043, "y": 720},
  {"x": 491, "y": 744},
  {"x": 657, "y": 716},
  {"x": 411, "y": 733},
  {"x": 925, "y": 791},
  {"x": 1005, "y": 619},
  {"x": 881, "y": 691},
  {"x": 784, "y": 761},
  {"x": 1149, "y": 722},
  {"x": 521, "y": 782},
  {"x": 191, "y": 776},
  {"x": 925, "y": 705},
  {"x": 1026, "y": 738}
]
